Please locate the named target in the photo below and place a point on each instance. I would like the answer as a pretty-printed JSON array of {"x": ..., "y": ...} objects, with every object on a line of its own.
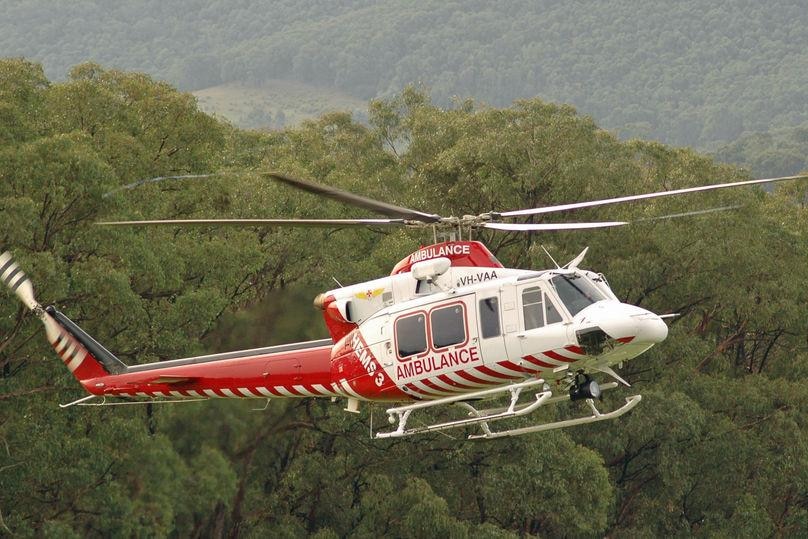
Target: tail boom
[
  {"x": 290, "y": 370},
  {"x": 294, "y": 370}
]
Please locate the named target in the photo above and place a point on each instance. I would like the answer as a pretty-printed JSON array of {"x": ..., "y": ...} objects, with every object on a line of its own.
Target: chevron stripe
[
  {"x": 500, "y": 372},
  {"x": 467, "y": 378},
  {"x": 349, "y": 390},
  {"x": 558, "y": 357},
  {"x": 532, "y": 369},
  {"x": 285, "y": 392},
  {"x": 265, "y": 392},
  {"x": 303, "y": 391},
  {"x": 452, "y": 380},
  {"x": 61, "y": 342},
  {"x": 323, "y": 391},
  {"x": 78, "y": 359},
  {"x": 419, "y": 393},
  {"x": 541, "y": 363},
  {"x": 8, "y": 268},
  {"x": 478, "y": 372},
  {"x": 422, "y": 387},
  {"x": 437, "y": 383}
]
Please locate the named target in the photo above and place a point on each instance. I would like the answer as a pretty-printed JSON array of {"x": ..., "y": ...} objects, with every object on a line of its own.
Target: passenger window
[
  {"x": 448, "y": 325},
  {"x": 411, "y": 335},
  {"x": 489, "y": 317},
  {"x": 532, "y": 308}
]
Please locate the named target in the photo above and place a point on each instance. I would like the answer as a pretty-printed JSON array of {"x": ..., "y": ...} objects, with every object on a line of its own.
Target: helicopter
[{"x": 449, "y": 330}]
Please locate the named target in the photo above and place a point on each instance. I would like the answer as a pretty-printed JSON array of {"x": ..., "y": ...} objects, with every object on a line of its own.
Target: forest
[
  {"x": 716, "y": 448},
  {"x": 696, "y": 72}
]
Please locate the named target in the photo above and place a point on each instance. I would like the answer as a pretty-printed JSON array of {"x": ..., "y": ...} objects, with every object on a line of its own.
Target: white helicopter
[{"x": 448, "y": 328}]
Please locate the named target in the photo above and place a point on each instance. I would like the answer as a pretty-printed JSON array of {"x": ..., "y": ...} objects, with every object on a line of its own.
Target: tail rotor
[
  {"x": 19, "y": 283},
  {"x": 84, "y": 357}
]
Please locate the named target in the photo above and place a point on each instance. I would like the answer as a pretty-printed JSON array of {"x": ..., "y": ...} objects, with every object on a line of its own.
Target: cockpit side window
[
  {"x": 489, "y": 317},
  {"x": 551, "y": 314},
  {"x": 533, "y": 308},
  {"x": 538, "y": 310}
]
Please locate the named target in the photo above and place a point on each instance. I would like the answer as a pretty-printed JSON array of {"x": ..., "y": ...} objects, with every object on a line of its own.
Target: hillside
[
  {"x": 779, "y": 152},
  {"x": 694, "y": 72},
  {"x": 275, "y": 103}
]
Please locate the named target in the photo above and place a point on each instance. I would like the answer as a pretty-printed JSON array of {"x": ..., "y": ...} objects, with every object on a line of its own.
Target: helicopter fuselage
[{"x": 463, "y": 324}]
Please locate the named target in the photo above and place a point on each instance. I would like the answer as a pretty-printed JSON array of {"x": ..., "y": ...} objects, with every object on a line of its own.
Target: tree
[{"x": 717, "y": 440}]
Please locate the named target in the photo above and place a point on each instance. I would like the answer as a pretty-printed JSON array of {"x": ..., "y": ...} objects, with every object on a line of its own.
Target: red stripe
[
  {"x": 539, "y": 362},
  {"x": 575, "y": 350},
  {"x": 558, "y": 357},
  {"x": 413, "y": 388},
  {"x": 491, "y": 372},
  {"x": 625, "y": 340},
  {"x": 472, "y": 378},
  {"x": 517, "y": 368},
  {"x": 444, "y": 378},
  {"x": 430, "y": 384}
]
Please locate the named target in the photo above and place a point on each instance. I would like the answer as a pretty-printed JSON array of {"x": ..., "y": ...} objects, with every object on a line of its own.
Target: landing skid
[
  {"x": 515, "y": 409},
  {"x": 84, "y": 401}
]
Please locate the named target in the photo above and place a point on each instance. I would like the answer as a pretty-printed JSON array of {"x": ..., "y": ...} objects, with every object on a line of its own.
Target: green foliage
[
  {"x": 691, "y": 72},
  {"x": 717, "y": 446}
]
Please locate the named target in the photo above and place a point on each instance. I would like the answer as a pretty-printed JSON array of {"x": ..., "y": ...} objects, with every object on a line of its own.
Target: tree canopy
[{"x": 717, "y": 447}]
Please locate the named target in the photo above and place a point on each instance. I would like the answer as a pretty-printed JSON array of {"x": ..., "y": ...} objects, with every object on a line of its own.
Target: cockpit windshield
[{"x": 576, "y": 292}]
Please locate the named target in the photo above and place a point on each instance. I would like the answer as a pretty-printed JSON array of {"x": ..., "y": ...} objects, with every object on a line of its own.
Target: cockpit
[{"x": 545, "y": 296}]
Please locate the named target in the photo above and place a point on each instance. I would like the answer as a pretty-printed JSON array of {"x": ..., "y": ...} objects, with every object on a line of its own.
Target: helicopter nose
[
  {"x": 651, "y": 328},
  {"x": 625, "y": 323}
]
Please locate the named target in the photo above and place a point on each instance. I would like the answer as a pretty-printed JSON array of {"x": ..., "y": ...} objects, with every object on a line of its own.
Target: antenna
[
  {"x": 551, "y": 257},
  {"x": 339, "y": 284}
]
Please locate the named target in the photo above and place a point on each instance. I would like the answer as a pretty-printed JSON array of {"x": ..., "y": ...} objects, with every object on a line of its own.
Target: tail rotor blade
[{"x": 13, "y": 276}]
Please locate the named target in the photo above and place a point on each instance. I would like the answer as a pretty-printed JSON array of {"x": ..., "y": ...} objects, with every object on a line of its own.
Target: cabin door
[{"x": 491, "y": 340}]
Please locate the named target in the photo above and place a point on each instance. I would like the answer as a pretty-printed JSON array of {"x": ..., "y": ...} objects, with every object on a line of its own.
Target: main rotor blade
[
  {"x": 333, "y": 193},
  {"x": 527, "y": 227},
  {"x": 130, "y": 186},
  {"x": 688, "y": 213},
  {"x": 260, "y": 222},
  {"x": 591, "y": 203}
]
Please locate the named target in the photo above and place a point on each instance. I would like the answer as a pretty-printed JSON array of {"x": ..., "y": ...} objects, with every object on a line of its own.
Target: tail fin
[{"x": 84, "y": 357}]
